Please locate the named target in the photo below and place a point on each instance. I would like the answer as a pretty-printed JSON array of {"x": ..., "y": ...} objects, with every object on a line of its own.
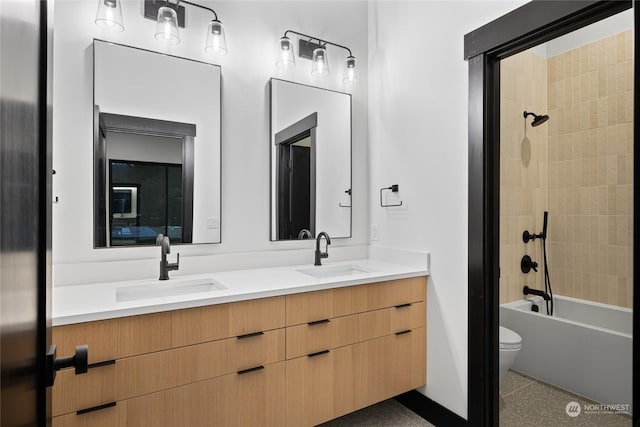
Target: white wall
[
  {"x": 253, "y": 30},
  {"x": 418, "y": 85}
]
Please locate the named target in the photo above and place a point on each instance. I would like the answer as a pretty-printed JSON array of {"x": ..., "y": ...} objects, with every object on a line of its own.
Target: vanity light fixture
[
  {"x": 315, "y": 49},
  {"x": 169, "y": 17},
  {"x": 109, "y": 15}
]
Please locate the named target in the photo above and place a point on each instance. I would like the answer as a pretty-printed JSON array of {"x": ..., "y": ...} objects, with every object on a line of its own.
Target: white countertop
[{"x": 84, "y": 303}]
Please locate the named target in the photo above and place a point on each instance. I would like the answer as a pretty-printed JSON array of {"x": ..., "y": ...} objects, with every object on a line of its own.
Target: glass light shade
[
  {"x": 351, "y": 74},
  {"x": 216, "y": 39},
  {"x": 319, "y": 62},
  {"x": 286, "y": 58},
  {"x": 109, "y": 15},
  {"x": 167, "y": 26}
]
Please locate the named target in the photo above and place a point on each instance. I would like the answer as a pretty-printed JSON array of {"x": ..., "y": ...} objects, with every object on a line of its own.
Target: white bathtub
[{"x": 586, "y": 347}]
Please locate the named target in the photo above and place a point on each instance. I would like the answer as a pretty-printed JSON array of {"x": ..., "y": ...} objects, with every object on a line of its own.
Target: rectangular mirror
[
  {"x": 156, "y": 148},
  {"x": 310, "y": 161}
]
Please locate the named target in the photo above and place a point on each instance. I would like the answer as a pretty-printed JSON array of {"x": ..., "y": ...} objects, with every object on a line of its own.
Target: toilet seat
[{"x": 509, "y": 340}]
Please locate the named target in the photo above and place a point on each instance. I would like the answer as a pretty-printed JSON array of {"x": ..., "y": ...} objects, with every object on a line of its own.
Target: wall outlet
[
  {"x": 375, "y": 232},
  {"x": 213, "y": 222}
]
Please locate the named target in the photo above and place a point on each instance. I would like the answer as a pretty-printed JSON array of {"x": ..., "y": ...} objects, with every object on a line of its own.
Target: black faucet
[
  {"x": 528, "y": 291},
  {"x": 165, "y": 266},
  {"x": 320, "y": 255},
  {"x": 304, "y": 234}
]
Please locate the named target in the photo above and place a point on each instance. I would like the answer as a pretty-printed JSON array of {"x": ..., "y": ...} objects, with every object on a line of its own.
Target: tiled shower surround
[{"x": 581, "y": 170}]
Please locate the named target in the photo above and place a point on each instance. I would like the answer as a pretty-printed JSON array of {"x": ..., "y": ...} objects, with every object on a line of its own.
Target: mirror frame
[{"x": 272, "y": 137}]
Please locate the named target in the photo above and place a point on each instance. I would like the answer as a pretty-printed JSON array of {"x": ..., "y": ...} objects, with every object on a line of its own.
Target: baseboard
[{"x": 430, "y": 410}]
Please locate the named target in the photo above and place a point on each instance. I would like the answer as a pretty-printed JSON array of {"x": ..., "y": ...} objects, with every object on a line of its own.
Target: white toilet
[{"x": 510, "y": 344}]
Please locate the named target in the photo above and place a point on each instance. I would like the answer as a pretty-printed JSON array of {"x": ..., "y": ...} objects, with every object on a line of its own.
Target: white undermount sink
[
  {"x": 325, "y": 272},
  {"x": 167, "y": 288}
]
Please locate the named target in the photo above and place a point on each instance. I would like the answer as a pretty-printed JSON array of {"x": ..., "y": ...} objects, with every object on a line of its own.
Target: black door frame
[
  {"x": 521, "y": 29},
  {"x": 303, "y": 128}
]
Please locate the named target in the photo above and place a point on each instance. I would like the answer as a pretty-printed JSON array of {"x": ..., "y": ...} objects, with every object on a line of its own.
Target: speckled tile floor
[
  {"x": 527, "y": 402},
  {"x": 384, "y": 414}
]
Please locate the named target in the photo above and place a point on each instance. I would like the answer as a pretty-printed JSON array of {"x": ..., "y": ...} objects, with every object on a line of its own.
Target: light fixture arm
[
  {"x": 215, "y": 15},
  {"x": 320, "y": 41}
]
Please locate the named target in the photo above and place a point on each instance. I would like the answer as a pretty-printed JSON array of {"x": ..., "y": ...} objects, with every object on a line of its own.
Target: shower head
[{"x": 537, "y": 119}]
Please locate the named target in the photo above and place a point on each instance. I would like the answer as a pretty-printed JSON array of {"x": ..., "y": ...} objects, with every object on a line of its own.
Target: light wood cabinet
[
  {"x": 298, "y": 360},
  {"x": 371, "y": 349},
  {"x": 154, "y": 354}
]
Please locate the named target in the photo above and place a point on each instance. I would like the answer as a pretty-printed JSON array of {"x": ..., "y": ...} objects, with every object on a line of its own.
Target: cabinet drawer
[
  {"x": 339, "y": 331},
  {"x": 112, "y": 416},
  {"x": 319, "y": 388},
  {"x": 378, "y": 323},
  {"x": 309, "y": 307},
  {"x": 406, "y": 360},
  {"x": 321, "y": 335},
  {"x": 73, "y": 392},
  {"x": 171, "y": 368},
  {"x": 202, "y": 324},
  {"x": 101, "y": 337},
  {"x": 387, "y": 366},
  {"x": 255, "y": 398},
  {"x": 374, "y": 296},
  {"x": 116, "y": 338},
  {"x": 312, "y": 306}
]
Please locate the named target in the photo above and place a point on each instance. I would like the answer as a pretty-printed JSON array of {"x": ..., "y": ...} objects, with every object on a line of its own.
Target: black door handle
[{"x": 80, "y": 361}]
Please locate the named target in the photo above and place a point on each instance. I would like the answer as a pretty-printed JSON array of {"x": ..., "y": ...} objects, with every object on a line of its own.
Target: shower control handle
[{"x": 527, "y": 264}]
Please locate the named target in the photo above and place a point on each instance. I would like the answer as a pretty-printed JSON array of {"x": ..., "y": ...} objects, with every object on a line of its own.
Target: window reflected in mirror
[{"x": 146, "y": 200}]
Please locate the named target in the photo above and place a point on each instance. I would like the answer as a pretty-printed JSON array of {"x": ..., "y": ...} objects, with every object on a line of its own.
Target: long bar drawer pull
[
  {"x": 404, "y": 305},
  {"x": 318, "y": 322},
  {"x": 100, "y": 364},
  {"x": 246, "y": 371},
  {"x": 403, "y": 332},
  {"x": 318, "y": 353},
  {"x": 254, "y": 334},
  {"x": 96, "y": 408}
]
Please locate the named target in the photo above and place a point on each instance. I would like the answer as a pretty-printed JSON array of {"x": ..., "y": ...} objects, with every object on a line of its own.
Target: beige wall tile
[{"x": 580, "y": 169}]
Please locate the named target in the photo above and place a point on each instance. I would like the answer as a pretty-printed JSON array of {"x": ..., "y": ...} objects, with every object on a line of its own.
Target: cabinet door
[
  {"x": 319, "y": 387},
  {"x": 254, "y": 398}
]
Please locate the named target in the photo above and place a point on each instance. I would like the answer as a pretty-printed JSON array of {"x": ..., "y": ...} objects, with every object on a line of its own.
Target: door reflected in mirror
[
  {"x": 310, "y": 161},
  {"x": 156, "y": 148}
]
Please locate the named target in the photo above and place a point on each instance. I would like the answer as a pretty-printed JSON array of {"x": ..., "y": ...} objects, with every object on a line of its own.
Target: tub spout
[{"x": 528, "y": 291}]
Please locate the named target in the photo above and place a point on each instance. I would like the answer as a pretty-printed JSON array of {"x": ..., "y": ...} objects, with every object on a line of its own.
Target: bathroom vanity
[{"x": 294, "y": 359}]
